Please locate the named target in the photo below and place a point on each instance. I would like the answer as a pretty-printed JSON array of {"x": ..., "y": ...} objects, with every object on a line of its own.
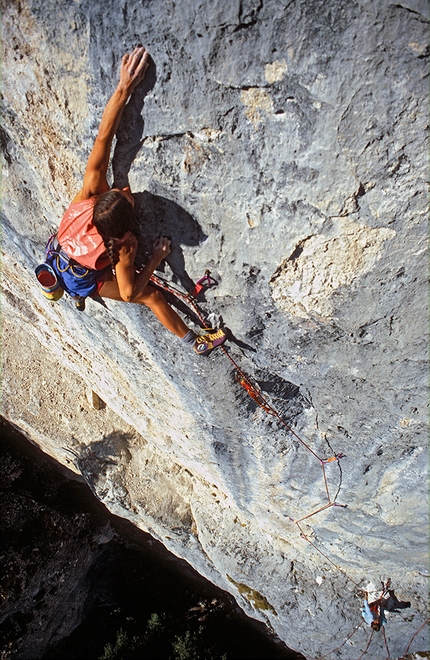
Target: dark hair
[{"x": 112, "y": 217}]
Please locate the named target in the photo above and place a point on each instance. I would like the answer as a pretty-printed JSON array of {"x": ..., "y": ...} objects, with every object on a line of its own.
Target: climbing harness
[{"x": 61, "y": 273}]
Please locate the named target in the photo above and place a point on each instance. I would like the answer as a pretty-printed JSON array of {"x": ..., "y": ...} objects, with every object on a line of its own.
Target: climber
[
  {"x": 373, "y": 613},
  {"x": 95, "y": 246}
]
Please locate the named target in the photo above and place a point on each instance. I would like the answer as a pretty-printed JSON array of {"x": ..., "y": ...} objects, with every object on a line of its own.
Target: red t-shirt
[{"x": 79, "y": 237}]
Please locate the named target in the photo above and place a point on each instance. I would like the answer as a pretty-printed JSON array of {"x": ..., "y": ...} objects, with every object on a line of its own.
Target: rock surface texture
[{"x": 282, "y": 145}]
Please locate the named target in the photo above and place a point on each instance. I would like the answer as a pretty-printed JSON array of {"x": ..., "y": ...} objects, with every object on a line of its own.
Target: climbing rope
[
  {"x": 426, "y": 622},
  {"x": 385, "y": 642},
  {"x": 253, "y": 390},
  {"x": 304, "y": 536},
  {"x": 357, "y": 627},
  {"x": 368, "y": 644},
  {"x": 251, "y": 387}
]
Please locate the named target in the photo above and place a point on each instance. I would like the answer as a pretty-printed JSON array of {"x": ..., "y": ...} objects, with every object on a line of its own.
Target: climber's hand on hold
[
  {"x": 161, "y": 249},
  {"x": 133, "y": 69}
]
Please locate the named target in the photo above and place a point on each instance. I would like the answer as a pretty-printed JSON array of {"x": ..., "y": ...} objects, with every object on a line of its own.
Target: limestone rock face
[{"x": 282, "y": 145}]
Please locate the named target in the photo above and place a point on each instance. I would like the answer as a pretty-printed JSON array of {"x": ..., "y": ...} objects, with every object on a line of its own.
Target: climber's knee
[{"x": 151, "y": 297}]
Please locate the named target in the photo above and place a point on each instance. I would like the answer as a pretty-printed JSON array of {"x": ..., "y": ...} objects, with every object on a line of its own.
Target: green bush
[
  {"x": 155, "y": 623},
  {"x": 116, "y": 652},
  {"x": 187, "y": 646},
  {"x": 156, "y": 642}
]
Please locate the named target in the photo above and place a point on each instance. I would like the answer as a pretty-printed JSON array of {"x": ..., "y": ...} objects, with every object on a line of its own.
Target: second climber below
[{"x": 95, "y": 232}]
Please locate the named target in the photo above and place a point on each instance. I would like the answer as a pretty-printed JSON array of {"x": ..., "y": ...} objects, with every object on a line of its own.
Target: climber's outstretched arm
[{"x": 133, "y": 68}]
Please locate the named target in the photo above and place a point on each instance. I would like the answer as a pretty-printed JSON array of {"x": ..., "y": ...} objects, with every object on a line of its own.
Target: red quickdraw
[
  {"x": 203, "y": 282},
  {"x": 253, "y": 392},
  {"x": 336, "y": 457}
]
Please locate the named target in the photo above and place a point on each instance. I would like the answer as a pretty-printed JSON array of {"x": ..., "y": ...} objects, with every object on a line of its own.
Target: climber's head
[
  {"x": 113, "y": 213},
  {"x": 376, "y": 624}
]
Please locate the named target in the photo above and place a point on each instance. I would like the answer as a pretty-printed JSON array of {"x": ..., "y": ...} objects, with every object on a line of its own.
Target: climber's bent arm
[
  {"x": 130, "y": 284},
  {"x": 133, "y": 68}
]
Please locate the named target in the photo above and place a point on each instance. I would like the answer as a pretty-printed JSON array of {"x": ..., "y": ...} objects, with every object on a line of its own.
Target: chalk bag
[{"x": 48, "y": 282}]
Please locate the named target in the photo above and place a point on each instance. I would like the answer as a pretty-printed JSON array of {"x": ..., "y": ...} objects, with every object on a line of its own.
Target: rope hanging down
[
  {"x": 255, "y": 393},
  {"x": 252, "y": 388}
]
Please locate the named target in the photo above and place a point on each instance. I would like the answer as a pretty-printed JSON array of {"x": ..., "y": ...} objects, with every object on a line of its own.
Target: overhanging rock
[{"x": 282, "y": 146}]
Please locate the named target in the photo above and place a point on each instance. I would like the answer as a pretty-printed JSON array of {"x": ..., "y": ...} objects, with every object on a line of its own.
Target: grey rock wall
[{"x": 282, "y": 145}]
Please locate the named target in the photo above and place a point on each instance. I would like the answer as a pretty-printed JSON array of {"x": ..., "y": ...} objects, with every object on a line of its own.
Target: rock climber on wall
[
  {"x": 374, "y": 612},
  {"x": 94, "y": 249}
]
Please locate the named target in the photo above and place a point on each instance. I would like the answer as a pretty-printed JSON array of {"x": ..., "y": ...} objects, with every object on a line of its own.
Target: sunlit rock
[{"x": 282, "y": 146}]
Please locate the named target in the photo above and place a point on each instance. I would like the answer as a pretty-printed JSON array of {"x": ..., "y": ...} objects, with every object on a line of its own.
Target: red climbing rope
[
  {"x": 258, "y": 397},
  {"x": 412, "y": 639},
  {"x": 368, "y": 644},
  {"x": 304, "y": 536},
  {"x": 255, "y": 393},
  {"x": 246, "y": 382},
  {"x": 386, "y": 644},
  {"x": 343, "y": 643}
]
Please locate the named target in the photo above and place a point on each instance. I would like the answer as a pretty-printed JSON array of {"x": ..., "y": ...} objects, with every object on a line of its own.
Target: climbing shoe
[
  {"x": 80, "y": 303},
  {"x": 209, "y": 340}
]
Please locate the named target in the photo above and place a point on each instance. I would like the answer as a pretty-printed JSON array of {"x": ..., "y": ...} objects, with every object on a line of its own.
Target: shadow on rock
[
  {"x": 283, "y": 395},
  {"x": 157, "y": 216},
  {"x": 130, "y": 129},
  {"x": 98, "y": 458}
]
